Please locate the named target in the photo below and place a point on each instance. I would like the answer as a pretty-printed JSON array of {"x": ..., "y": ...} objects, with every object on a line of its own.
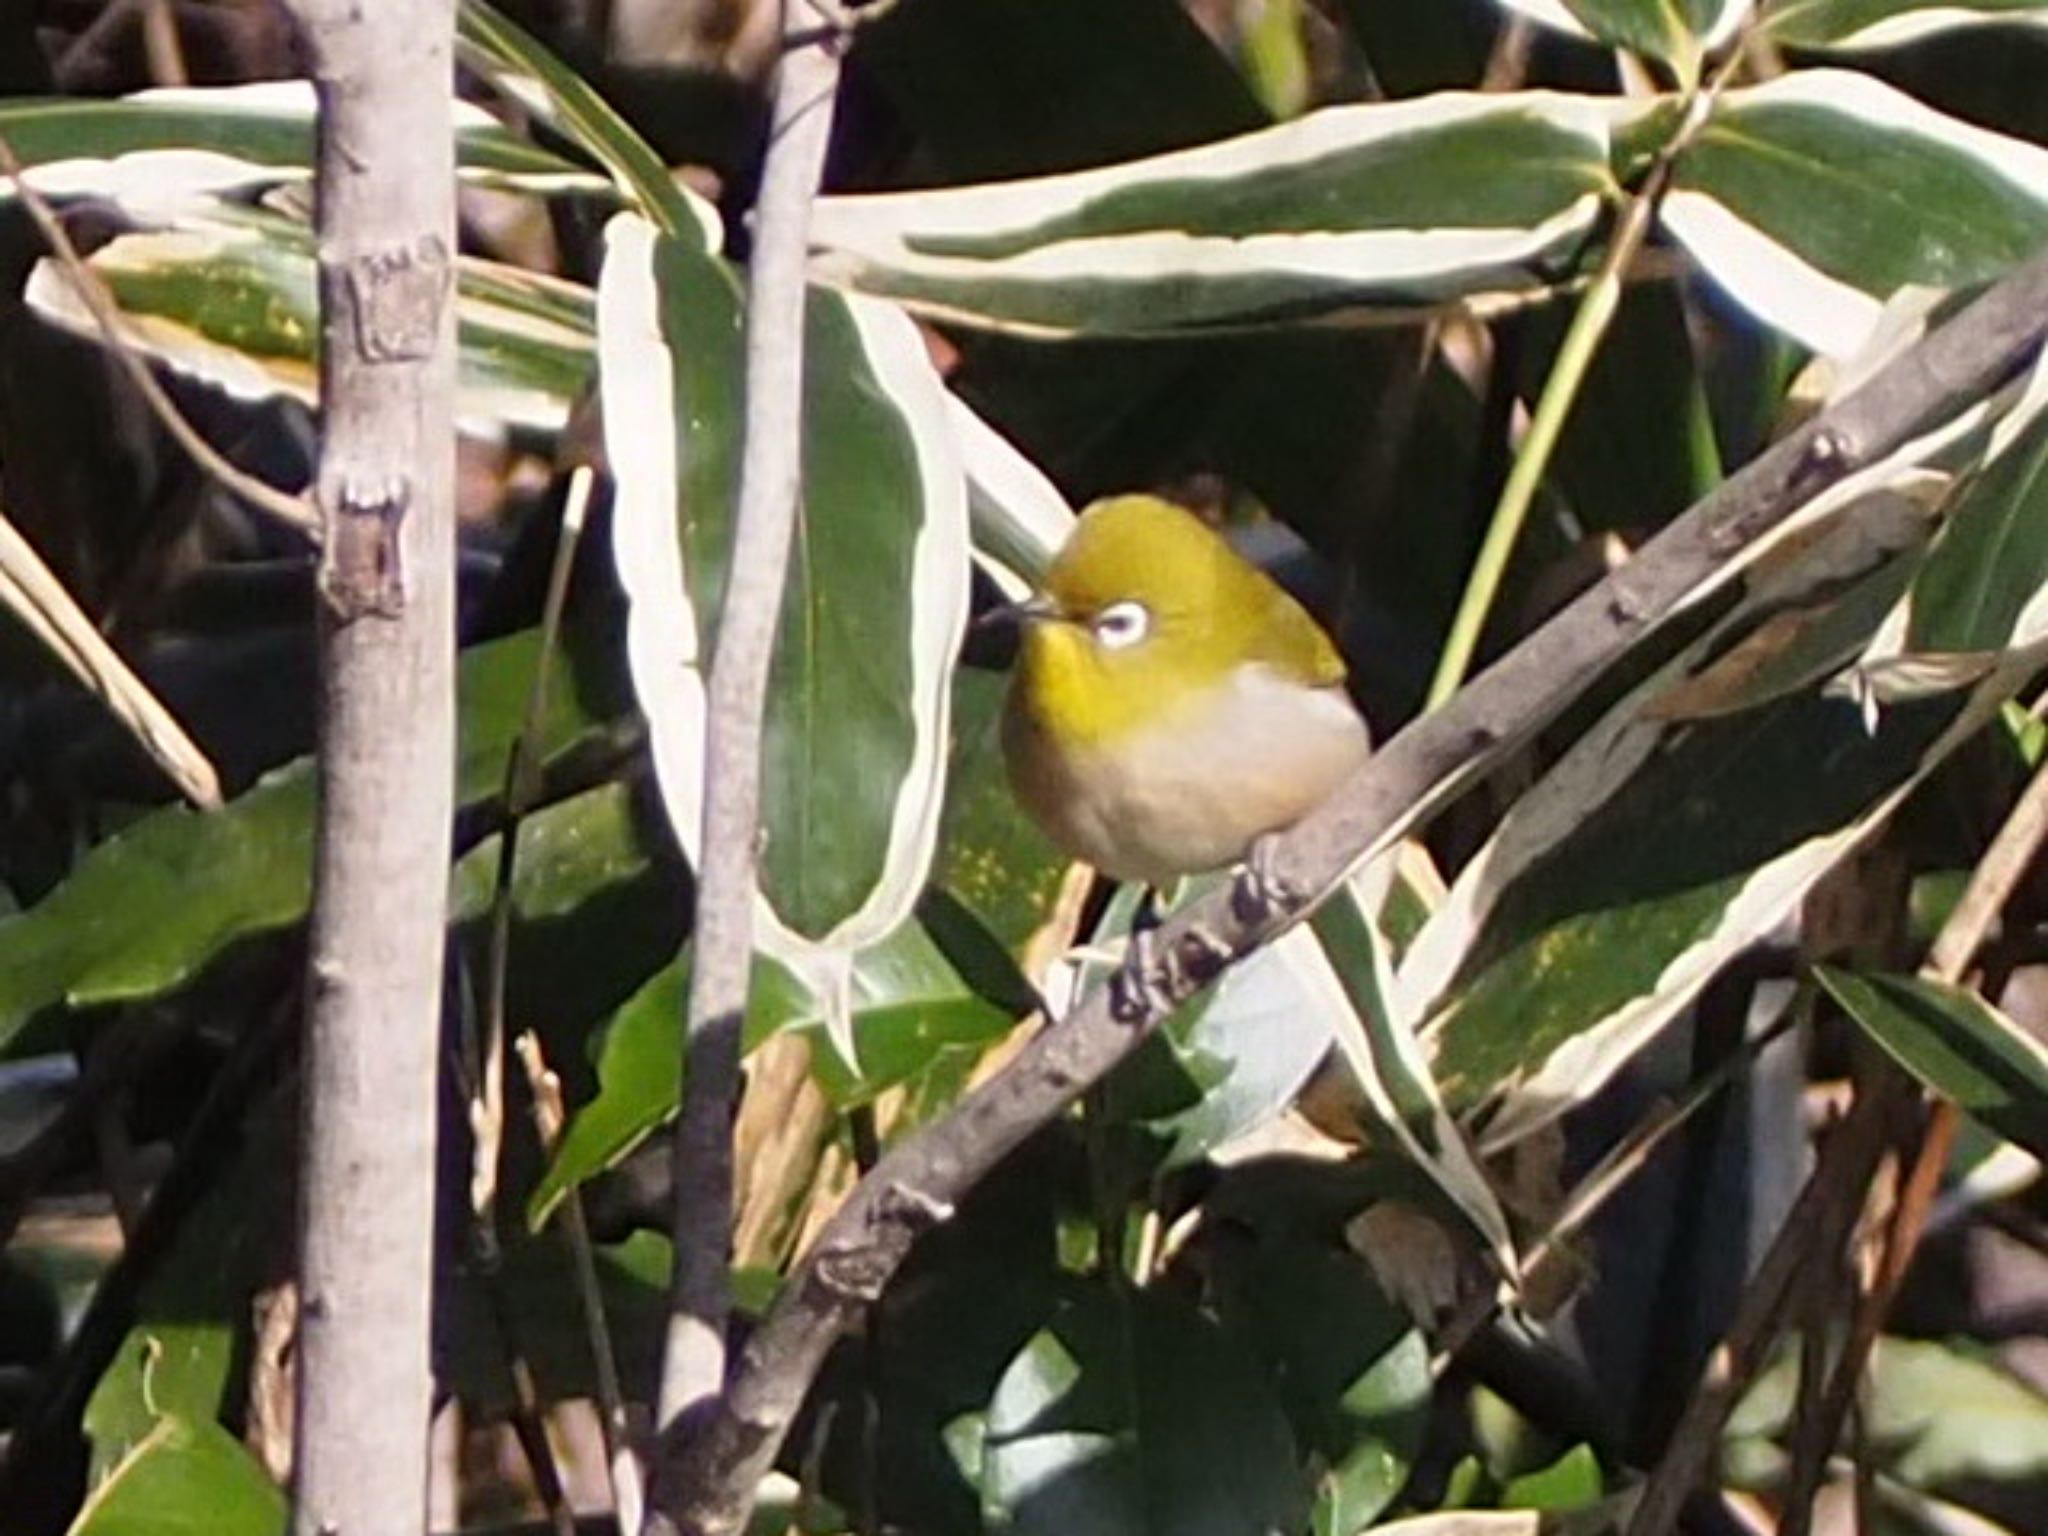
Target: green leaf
[
  {"x": 1957, "y": 1044},
  {"x": 856, "y": 734},
  {"x": 184, "y": 1477},
  {"x": 1351, "y": 1370},
  {"x": 1982, "y": 588},
  {"x": 231, "y": 296},
  {"x": 147, "y": 908},
  {"x": 1588, "y": 950},
  {"x": 179, "y": 1353},
  {"x": 910, "y": 1010},
  {"x": 1131, "y": 1413},
  {"x": 1813, "y": 198},
  {"x": 1850, "y": 25},
  {"x": 155, "y": 148},
  {"x": 1389, "y": 1066},
  {"x": 1571, "y": 1482},
  {"x": 1391, "y": 203}
]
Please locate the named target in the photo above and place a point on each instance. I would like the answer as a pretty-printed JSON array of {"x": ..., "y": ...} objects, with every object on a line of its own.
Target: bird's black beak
[{"x": 1014, "y": 616}]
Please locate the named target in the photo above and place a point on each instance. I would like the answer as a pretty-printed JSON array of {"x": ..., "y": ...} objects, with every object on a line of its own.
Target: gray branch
[
  {"x": 771, "y": 471},
  {"x": 386, "y": 490},
  {"x": 708, "y": 1471}
]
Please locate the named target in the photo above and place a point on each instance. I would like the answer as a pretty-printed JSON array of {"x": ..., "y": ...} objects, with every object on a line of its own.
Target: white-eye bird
[{"x": 1171, "y": 705}]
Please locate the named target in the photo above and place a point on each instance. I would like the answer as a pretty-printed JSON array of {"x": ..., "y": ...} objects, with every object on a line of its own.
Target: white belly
[{"x": 1195, "y": 792}]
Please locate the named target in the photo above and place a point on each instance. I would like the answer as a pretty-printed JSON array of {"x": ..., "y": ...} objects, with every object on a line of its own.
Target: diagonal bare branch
[{"x": 709, "y": 1471}]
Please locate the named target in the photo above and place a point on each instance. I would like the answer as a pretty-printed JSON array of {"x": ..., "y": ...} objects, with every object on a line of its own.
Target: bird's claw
[
  {"x": 1143, "y": 986},
  {"x": 1262, "y": 889}
]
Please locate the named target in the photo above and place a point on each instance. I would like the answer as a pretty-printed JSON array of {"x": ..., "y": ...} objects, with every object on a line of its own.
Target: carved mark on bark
[
  {"x": 395, "y": 298},
  {"x": 361, "y": 570}
]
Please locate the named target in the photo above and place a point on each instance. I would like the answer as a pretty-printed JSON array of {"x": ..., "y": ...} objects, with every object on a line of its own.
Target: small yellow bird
[{"x": 1171, "y": 705}]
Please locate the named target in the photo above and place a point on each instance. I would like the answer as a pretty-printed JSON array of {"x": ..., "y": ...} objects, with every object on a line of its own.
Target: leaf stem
[{"x": 1575, "y": 356}]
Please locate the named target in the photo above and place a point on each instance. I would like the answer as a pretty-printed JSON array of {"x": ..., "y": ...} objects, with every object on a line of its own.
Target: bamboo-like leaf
[
  {"x": 1389, "y": 1065},
  {"x": 1854, "y": 25},
  {"x": 160, "y": 149},
  {"x": 1957, "y": 1044},
  {"x": 230, "y": 295},
  {"x": 1674, "y": 30},
  {"x": 854, "y": 755},
  {"x": 1655, "y": 849},
  {"x": 1391, "y": 204},
  {"x": 1815, "y": 197}
]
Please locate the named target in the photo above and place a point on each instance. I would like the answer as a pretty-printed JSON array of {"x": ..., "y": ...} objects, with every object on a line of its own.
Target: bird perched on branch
[{"x": 1171, "y": 705}]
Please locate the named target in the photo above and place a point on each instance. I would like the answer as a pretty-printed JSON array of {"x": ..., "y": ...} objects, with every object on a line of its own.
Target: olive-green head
[{"x": 1145, "y": 609}]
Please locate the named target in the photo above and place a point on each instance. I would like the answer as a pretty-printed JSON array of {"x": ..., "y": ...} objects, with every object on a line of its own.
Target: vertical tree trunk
[{"x": 386, "y": 491}]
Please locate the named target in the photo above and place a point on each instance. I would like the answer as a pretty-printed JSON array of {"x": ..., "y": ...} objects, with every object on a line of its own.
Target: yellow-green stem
[{"x": 1560, "y": 392}]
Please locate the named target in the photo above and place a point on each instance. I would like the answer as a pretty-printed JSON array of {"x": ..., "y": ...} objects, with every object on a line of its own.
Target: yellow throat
[{"x": 1203, "y": 610}]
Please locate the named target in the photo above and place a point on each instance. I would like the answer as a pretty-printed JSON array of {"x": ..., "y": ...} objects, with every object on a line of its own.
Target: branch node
[
  {"x": 858, "y": 1270},
  {"x": 395, "y": 298},
  {"x": 362, "y": 572}
]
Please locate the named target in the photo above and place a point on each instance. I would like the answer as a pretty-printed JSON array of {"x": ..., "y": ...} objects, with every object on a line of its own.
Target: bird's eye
[{"x": 1122, "y": 624}]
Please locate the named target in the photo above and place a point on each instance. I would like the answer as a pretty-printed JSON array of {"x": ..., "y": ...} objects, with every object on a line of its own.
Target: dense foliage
[{"x": 1437, "y": 1205}]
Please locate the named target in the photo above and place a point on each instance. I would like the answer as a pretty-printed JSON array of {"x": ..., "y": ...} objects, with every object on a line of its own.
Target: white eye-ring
[{"x": 1122, "y": 624}]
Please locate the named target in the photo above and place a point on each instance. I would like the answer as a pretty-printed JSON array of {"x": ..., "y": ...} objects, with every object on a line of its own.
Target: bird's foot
[
  {"x": 1144, "y": 985},
  {"x": 1262, "y": 890}
]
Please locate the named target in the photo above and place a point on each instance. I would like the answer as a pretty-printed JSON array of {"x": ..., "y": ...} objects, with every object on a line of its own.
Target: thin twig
[
  {"x": 711, "y": 1473},
  {"x": 693, "y": 1356},
  {"x": 1607, "y": 1178},
  {"x": 295, "y": 512},
  {"x": 1992, "y": 882},
  {"x": 628, "y": 1499},
  {"x": 160, "y": 42},
  {"x": 1816, "y": 1224},
  {"x": 521, "y": 792}
]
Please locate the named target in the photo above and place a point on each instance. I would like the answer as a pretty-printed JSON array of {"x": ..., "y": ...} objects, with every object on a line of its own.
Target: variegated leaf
[
  {"x": 1678, "y": 31},
  {"x": 160, "y": 149},
  {"x": 1851, "y": 25},
  {"x": 230, "y": 295},
  {"x": 854, "y": 752},
  {"x": 1392, "y": 204},
  {"x": 1812, "y": 199}
]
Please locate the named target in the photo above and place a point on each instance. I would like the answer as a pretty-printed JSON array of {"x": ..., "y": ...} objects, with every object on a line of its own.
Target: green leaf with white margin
[
  {"x": 230, "y": 295},
  {"x": 1390, "y": 204},
  {"x": 1648, "y": 858},
  {"x": 184, "y": 1478},
  {"x": 1813, "y": 198},
  {"x": 1852, "y": 25},
  {"x": 519, "y": 66},
  {"x": 854, "y": 749},
  {"x": 1018, "y": 515},
  {"x": 160, "y": 148},
  {"x": 1675, "y": 30},
  {"x": 1386, "y": 1060},
  {"x": 1957, "y": 1044},
  {"x": 1657, "y": 847},
  {"x": 1983, "y": 588}
]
